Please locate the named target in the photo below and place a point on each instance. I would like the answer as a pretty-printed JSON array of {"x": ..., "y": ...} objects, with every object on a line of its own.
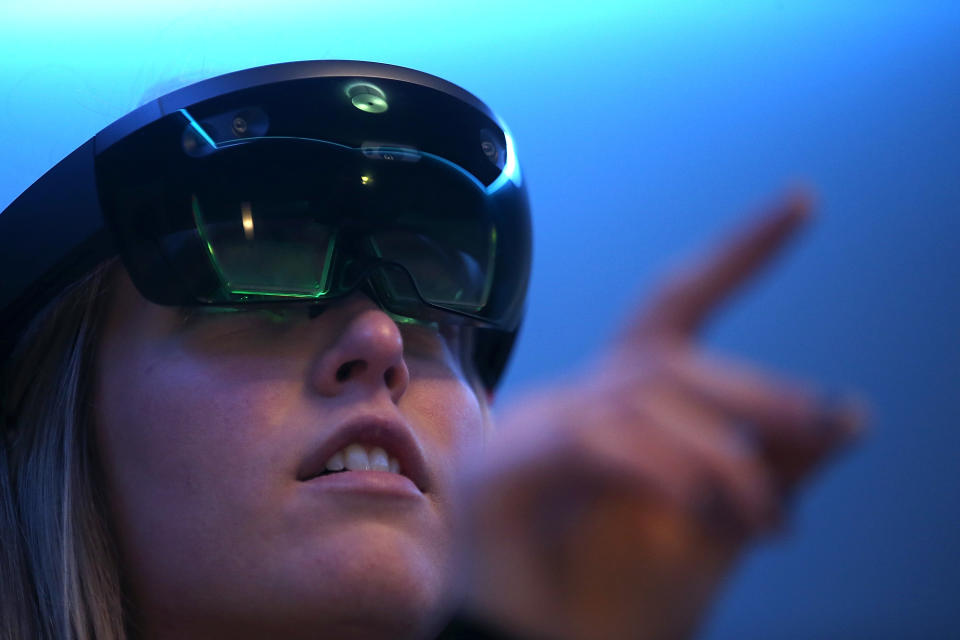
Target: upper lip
[{"x": 395, "y": 437}]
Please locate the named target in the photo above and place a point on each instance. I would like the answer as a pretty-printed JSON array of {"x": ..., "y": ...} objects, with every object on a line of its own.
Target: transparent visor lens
[{"x": 414, "y": 233}]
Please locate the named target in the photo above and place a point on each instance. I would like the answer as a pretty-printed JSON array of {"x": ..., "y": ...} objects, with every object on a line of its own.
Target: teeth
[
  {"x": 357, "y": 457},
  {"x": 378, "y": 460},
  {"x": 335, "y": 463}
]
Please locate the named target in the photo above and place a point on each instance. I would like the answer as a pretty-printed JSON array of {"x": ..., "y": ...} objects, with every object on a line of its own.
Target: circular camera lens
[
  {"x": 194, "y": 144},
  {"x": 490, "y": 148},
  {"x": 189, "y": 142},
  {"x": 240, "y": 126},
  {"x": 369, "y": 103},
  {"x": 367, "y": 97}
]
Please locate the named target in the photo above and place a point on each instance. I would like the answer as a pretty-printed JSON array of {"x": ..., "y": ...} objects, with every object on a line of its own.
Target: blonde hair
[{"x": 60, "y": 572}]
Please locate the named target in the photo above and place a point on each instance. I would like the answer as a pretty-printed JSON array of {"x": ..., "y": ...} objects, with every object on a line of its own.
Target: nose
[{"x": 367, "y": 352}]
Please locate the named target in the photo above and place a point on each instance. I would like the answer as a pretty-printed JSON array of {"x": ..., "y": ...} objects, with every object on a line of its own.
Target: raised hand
[{"x": 613, "y": 505}]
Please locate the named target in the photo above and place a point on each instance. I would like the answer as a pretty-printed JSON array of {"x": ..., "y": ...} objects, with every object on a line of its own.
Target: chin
[{"x": 380, "y": 585}]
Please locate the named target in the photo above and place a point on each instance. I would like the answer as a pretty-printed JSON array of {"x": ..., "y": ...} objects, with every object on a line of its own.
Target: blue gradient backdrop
[{"x": 645, "y": 129}]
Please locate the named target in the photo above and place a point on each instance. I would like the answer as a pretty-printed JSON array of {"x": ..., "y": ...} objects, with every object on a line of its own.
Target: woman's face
[{"x": 212, "y": 430}]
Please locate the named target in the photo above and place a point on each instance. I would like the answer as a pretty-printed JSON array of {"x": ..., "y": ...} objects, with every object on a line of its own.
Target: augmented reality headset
[{"x": 291, "y": 183}]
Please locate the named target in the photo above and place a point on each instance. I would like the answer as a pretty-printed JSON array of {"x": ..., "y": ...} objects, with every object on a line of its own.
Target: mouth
[
  {"x": 369, "y": 445},
  {"x": 360, "y": 457}
]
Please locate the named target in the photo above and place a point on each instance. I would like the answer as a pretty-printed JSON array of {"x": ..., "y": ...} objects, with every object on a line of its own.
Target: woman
[{"x": 269, "y": 416}]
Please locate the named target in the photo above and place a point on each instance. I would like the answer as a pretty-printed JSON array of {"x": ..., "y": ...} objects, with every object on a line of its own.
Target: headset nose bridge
[{"x": 385, "y": 281}]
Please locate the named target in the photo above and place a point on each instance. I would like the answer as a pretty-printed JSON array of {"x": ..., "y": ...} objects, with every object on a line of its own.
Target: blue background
[{"x": 646, "y": 129}]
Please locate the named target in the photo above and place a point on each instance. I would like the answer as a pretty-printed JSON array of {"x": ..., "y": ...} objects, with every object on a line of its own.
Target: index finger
[{"x": 681, "y": 306}]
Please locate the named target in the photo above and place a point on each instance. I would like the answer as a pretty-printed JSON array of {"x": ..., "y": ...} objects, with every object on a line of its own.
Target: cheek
[
  {"x": 446, "y": 412},
  {"x": 189, "y": 452},
  {"x": 180, "y": 418}
]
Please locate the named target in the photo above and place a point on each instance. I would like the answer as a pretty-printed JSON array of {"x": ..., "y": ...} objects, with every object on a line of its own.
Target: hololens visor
[{"x": 296, "y": 182}]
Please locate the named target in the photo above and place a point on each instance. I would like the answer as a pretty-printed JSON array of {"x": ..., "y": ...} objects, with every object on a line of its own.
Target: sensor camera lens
[
  {"x": 367, "y": 97},
  {"x": 491, "y": 149}
]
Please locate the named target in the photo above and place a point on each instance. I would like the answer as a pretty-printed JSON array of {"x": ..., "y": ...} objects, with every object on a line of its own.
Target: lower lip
[{"x": 372, "y": 483}]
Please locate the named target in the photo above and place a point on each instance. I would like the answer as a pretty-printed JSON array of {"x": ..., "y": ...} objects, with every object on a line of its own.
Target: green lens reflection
[{"x": 288, "y": 259}]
